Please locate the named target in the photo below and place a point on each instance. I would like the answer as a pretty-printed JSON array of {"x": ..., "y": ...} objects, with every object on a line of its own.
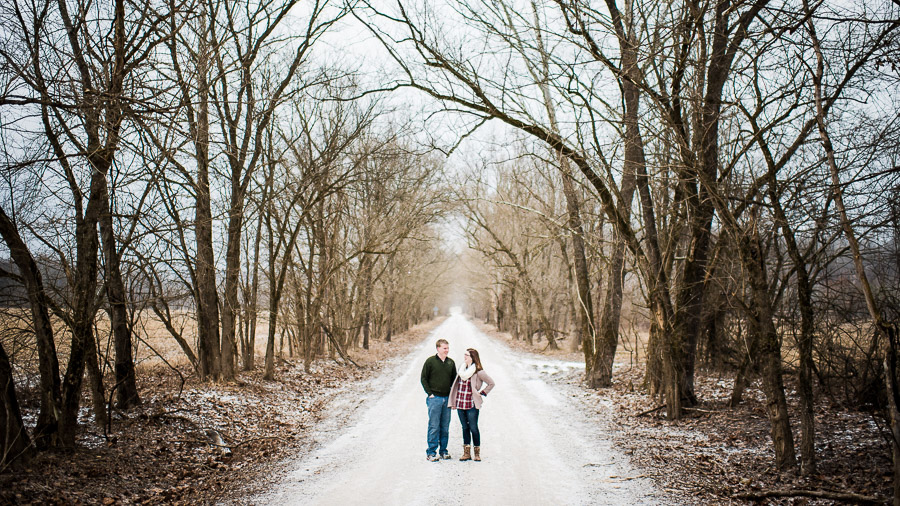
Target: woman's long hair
[{"x": 475, "y": 359}]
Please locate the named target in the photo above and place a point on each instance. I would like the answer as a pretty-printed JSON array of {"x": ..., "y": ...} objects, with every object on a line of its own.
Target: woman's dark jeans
[{"x": 469, "y": 420}]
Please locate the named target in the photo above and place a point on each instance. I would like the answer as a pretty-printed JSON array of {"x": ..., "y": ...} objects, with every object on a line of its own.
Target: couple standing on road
[{"x": 449, "y": 389}]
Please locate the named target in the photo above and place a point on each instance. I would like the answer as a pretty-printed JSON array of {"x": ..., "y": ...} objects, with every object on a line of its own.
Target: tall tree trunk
[
  {"x": 807, "y": 367},
  {"x": 244, "y": 123},
  {"x": 610, "y": 316},
  {"x": 500, "y": 308},
  {"x": 195, "y": 92},
  {"x": 15, "y": 446},
  {"x": 769, "y": 349},
  {"x": 95, "y": 377},
  {"x": 513, "y": 302},
  {"x": 529, "y": 321},
  {"x": 231, "y": 305},
  {"x": 600, "y": 371},
  {"x": 125, "y": 382},
  {"x": 253, "y": 301},
  {"x": 310, "y": 325},
  {"x": 102, "y": 137},
  {"x": 805, "y": 341},
  {"x": 727, "y": 37},
  {"x": 389, "y": 312},
  {"x": 773, "y": 385},
  {"x": 635, "y": 163},
  {"x": 207, "y": 292},
  {"x": 277, "y": 279},
  {"x": 584, "y": 303},
  {"x": 83, "y": 307},
  {"x": 663, "y": 357},
  {"x": 269, "y": 373},
  {"x": 890, "y": 376},
  {"x": 47, "y": 426},
  {"x": 367, "y": 298}
]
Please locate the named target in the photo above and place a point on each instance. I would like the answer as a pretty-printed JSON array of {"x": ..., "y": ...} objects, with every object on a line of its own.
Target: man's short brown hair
[{"x": 440, "y": 342}]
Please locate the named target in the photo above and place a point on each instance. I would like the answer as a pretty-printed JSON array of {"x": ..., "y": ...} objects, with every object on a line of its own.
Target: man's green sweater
[{"x": 438, "y": 376}]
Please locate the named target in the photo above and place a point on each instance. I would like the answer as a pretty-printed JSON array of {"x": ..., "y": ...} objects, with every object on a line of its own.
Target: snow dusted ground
[{"x": 539, "y": 446}]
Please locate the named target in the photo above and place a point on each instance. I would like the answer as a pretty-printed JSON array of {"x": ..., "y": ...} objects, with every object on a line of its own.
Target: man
[{"x": 438, "y": 375}]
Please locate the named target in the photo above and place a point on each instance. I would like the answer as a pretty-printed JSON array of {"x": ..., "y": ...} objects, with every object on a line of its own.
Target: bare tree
[{"x": 78, "y": 85}]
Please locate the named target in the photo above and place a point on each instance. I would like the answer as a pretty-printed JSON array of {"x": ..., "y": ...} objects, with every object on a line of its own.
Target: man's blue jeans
[
  {"x": 468, "y": 418},
  {"x": 438, "y": 424}
]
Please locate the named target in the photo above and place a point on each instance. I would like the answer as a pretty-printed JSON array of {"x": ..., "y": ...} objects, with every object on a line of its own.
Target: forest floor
[
  {"x": 717, "y": 455},
  {"x": 160, "y": 453}
]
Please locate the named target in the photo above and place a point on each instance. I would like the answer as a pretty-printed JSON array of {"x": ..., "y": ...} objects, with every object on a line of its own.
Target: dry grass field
[{"x": 153, "y": 344}]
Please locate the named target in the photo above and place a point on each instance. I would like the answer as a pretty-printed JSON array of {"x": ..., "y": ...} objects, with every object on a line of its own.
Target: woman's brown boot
[
  {"x": 477, "y": 454},
  {"x": 467, "y": 454}
]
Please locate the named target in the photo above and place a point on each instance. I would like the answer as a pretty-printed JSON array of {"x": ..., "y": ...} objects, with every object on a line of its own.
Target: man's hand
[{"x": 431, "y": 396}]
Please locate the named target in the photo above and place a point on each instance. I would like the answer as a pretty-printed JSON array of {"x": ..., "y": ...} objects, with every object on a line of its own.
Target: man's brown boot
[
  {"x": 477, "y": 454},
  {"x": 467, "y": 454}
]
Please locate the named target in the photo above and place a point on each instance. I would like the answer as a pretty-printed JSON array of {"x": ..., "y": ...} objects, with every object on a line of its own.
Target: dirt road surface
[{"x": 538, "y": 444}]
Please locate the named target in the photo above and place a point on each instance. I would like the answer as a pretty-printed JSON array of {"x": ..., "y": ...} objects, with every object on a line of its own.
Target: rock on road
[{"x": 538, "y": 444}]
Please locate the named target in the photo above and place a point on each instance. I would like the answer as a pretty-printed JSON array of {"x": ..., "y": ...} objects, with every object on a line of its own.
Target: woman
[{"x": 472, "y": 384}]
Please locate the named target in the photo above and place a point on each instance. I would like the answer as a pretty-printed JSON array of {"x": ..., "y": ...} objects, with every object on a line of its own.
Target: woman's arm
[
  {"x": 487, "y": 380},
  {"x": 454, "y": 392}
]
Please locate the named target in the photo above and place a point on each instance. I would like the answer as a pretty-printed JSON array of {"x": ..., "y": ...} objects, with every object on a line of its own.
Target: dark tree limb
[
  {"x": 337, "y": 346},
  {"x": 653, "y": 410}
]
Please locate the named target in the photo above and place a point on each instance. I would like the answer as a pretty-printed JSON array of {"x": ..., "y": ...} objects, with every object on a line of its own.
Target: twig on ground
[
  {"x": 176, "y": 410},
  {"x": 246, "y": 441},
  {"x": 698, "y": 410},
  {"x": 617, "y": 479},
  {"x": 654, "y": 410}
]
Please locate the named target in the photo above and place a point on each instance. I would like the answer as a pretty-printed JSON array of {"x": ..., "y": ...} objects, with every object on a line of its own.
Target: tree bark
[
  {"x": 95, "y": 381},
  {"x": 84, "y": 305},
  {"x": 804, "y": 342},
  {"x": 601, "y": 371},
  {"x": 15, "y": 445},
  {"x": 277, "y": 276},
  {"x": 195, "y": 93},
  {"x": 125, "y": 382},
  {"x": 252, "y": 307},
  {"x": 890, "y": 377},
  {"x": 513, "y": 320},
  {"x": 231, "y": 305},
  {"x": 367, "y": 298},
  {"x": 769, "y": 351},
  {"x": 747, "y": 368},
  {"x": 47, "y": 426},
  {"x": 207, "y": 292},
  {"x": 389, "y": 311}
]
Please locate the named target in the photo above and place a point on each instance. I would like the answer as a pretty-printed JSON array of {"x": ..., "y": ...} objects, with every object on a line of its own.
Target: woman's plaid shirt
[{"x": 464, "y": 396}]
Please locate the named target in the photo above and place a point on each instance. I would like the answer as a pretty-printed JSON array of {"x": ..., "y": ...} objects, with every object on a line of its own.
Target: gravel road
[{"x": 538, "y": 444}]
